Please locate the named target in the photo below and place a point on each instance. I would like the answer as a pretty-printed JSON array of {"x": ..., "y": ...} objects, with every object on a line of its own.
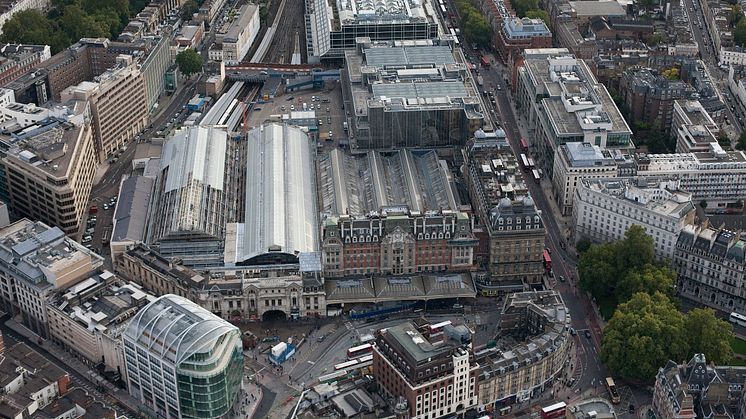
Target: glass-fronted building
[{"x": 183, "y": 361}]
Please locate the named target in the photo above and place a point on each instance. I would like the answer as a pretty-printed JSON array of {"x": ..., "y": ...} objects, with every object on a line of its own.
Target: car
[
  {"x": 282, "y": 107},
  {"x": 573, "y": 332},
  {"x": 292, "y": 107},
  {"x": 325, "y": 100},
  {"x": 321, "y": 122},
  {"x": 290, "y": 99},
  {"x": 321, "y": 338},
  {"x": 257, "y": 109},
  {"x": 328, "y": 119},
  {"x": 571, "y": 381},
  {"x": 328, "y": 109},
  {"x": 89, "y": 246},
  {"x": 562, "y": 278},
  {"x": 90, "y": 230},
  {"x": 93, "y": 209},
  {"x": 87, "y": 238},
  {"x": 587, "y": 333}
]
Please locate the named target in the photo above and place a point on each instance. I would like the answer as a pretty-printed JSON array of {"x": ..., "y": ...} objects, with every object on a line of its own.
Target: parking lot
[{"x": 326, "y": 103}]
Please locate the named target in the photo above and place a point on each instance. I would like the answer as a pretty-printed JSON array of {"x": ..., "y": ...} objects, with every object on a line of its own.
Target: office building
[
  {"x": 717, "y": 177},
  {"x": 410, "y": 94},
  {"x": 88, "y": 319},
  {"x": 693, "y": 127},
  {"x": 241, "y": 34},
  {"x": 698, "y": 389},
  {"x": 17, "y": 59},
  {"x": 711, "y": 267},
  {"x": 393, "y": 213},
  {"x": 532, "y": 351},
  {"x": 428, "y": 370},
  {"x": 603, "y": 210},
  {"x": 36, "y": 261},
  {"x": 280, "y": 219},
  {"x": 576, "y": 161},
  {"x": 187, "y": 217},
  {"x": 9, "y": 8},
  {"x": 29, "y": 382},
  {"x": 517, "y": 34},
  {"x": 564, "y": 103},
  {"x": 515, "y": 231},
  {"x": 118, "y": 105},
  {"x": 49, "y": 170},
  {"x": 183, "y": 361},
  {"x": 333, "y": 27},
  {"x": 650, "y": 97}
]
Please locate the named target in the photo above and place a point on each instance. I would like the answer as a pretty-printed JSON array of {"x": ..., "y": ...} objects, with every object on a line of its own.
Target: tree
[
  {"x": 650, "y": 279},
  {"x": 189, "y": 62},
  {"x": 29, "y": 27},
  {"x": 522, "y": 7},
  {"x": 656, "y": 39},
  {"x": 636, "y": 250},
  {"x": 739, "y": 34},
  {"x": 703, "y": 204},
  {"x": 597, "y": 270},
  {"x": 708, "y": 335},
  {"x": 647, "y": 329},
  {"x": 583, "y": 245},
  {"x": 539, "y": 14},
  {"x": 735, "y": 15},
  {"x": 723, "y": 139},
  {"x": 741, "y": 144},
  {"x": 190, "y": 8}
]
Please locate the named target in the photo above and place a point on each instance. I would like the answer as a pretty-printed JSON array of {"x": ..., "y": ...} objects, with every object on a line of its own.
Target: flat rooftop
[
  {"x": 353, "y": 12},
  {"x": 48, "y": 146},
  {"x": 598, "y": 8},
  {"x": 657, "y": 195}
]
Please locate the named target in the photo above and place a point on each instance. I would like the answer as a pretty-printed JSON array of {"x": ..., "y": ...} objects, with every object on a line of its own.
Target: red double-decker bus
[
  {"x": 524, "y": 145},
  {"x": 557, "y": 410},
  {"x": 547, "y": 261}
]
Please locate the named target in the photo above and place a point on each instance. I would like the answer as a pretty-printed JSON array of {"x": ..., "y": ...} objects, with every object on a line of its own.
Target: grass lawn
[
  {"x": 738, "y": 345},
  {"x": 607, "y": 305}
]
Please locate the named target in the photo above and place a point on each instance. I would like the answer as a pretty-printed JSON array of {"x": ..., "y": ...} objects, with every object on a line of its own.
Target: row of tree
[
  {"x": 474, "y": 24},
  {"x": 530, "y": 9},
  {"x": 646, "y": 329}
]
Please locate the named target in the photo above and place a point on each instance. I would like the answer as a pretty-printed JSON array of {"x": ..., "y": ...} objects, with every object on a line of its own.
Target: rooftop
[
  {"x": 361, "y": 184},
  {"x": 19, "y": 359},
  {"x": 498, "y": 174},
  {"x": 357, "y": 12},
  {"x": 658, "y": 195},
  {"x": 175, "y": 328},
  {"x": 525, "y": 27},
  {"x": 130, "y": 218},
  {"x": 42, "y": 255},
  {"x": 380, "y": 289},
  {"x": 598, "y": 8},
  {"x": 245, "y": 14},
  {"x": 416, "y": 345},
  {"x": 586, "y": 155},
  {"x": 678, "y": 162}
]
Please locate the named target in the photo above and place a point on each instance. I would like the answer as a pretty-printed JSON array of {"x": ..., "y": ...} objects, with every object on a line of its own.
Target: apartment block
[
  {"x": 428, "y": 369},
  {"x": 532, "y": 351},
  {"x": 36, "y": 261},
  {"x": 564, "y": 103},
  {"x": 717, "y": 177},
  {"x": 17, "y": 59},
  {"x": 694, "y": 129},
  {"x": 711, "y": 267},
  {"x": 118, "y": 105},
  {"x": 49, "y": 170},
  {"x": 577, "y": 161},
  {"x": 650, "y": 97},
  {"x": 88, "y": 318},
  {"x": 604, "y": 209}
]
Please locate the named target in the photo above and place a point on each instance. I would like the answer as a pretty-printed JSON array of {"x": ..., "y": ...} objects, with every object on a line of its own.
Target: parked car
[{"x": 587, "y": 333}]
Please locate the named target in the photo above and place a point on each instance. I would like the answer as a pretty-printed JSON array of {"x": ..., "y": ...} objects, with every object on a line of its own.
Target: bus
[
  {"x": 345, "y": 365},
  {"x": 524, "y": 161},
  {"x": 332, "y": 377},
  {"x": 455, "y": 36},
  {"x": 535, "y": 174},
  {"x": 556, "y": 410},
  {"x": 365, "y": 361},
  {"x": 524, "y": 145},
  {"x": 358, "y": 351},
  {"x": 530, "y": 163},
  {"x": 443, "y": 10},
  {"x": 438, "y": 327},
  {"x": 547, "y": 262},
  {"x": 737, "y": 318},
  {"x": 613, "y": 393},
  {"x": 485, "y": 62}
]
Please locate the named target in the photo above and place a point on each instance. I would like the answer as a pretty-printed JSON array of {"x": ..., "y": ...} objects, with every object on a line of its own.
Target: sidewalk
[
  {"x": 73, "y": 363},
  {"x": 251, "y": 395}
]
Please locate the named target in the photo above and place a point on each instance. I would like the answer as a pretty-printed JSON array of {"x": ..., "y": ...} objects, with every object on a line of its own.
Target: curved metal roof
[
  {"x": 175, "y": 328},
  {"x": 280, "y": 200}
]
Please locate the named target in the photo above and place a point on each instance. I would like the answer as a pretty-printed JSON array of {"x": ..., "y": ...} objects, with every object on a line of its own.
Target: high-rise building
[
  {"x": 711, "y": 267},
  {"x": 576, "y": 161},
  {"x": 410, "y": 94},
  {"x": 564, "y": 103},
  {"x": 604, "y": 209},
  {"x": 118, "y": 103},
  {"x": 49, "y": 173},
  {"x": 183, "y": 361},
  {"x": 333, "y": 27},
  {"x": 36, "y": 261},
  {"x": 428, "y": 370}
]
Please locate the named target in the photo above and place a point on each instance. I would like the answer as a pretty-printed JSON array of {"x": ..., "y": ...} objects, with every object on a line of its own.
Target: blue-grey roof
[
  {"x": 401, "y": 56},
  {"x": 131, "y": 215},
  {"x": 443, "y": 89}
]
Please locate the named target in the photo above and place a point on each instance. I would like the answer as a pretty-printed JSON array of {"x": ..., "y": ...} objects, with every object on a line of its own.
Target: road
[{"x": 707, "y": 53}]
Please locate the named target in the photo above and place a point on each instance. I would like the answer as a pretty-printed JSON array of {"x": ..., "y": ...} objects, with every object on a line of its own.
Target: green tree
[
  {"x": 189, "y": 62},
  {"x": 597, "y": 270},
  {"x": 741, "y": 144},
  {"x": 735, "y": 15},
  {"x": 636, "y": 250},
  {"x": 522, "y": 7},
  {"x": 76, "y": 24},
  {"x": 650, "y": 279},
  {"x": 708, "y": 335},
  {"x": 656, "y": 39},
  {"x": 642, "y": 336},
  {"x": 723, "y": 139},
  {"x": 29, "y": 27},
  {"x": 190, "y": 8},
  {"x": 539, "y": 14},
  {"x": 739, "y": 34},
  {"x": 703, "y": 204},
  {"x": 583, "y": 245}
]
